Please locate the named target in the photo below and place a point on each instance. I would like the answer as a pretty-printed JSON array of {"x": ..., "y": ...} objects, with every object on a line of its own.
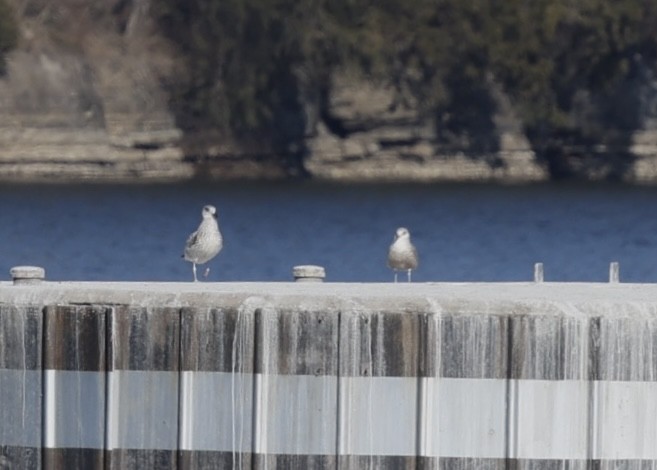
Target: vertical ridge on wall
[
  {"x": 511, "y": 401},
  {"x": 470, "y": 398},
  {"x": 74, "y": 386},
  {"x": 339, "y": 413},
  {"x": 21, "y": 381},
  {"x": 216, "y": 400},
  {"x": 143, "y": 382},
  {"x": 549, "y": 374},
  {"x": 295, "y": 397},
  {"x": 625, "y": 356},
  {"x": 427, "y": 355},
  {"x": 378, "y": 389},
  {"x": 593, "y": 395}
]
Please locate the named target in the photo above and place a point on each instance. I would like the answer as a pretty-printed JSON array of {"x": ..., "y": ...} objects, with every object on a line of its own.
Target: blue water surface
[{"x": 462, "y": 232}]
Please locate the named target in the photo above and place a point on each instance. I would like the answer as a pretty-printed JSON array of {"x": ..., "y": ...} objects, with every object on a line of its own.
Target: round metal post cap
[
  {"x": 308, "y": 273},
  {"x": 27, "y": 274}
]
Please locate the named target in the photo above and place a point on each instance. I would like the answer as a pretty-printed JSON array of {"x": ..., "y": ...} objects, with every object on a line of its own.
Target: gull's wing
[
  {"x": 191, "y": 240},
  {"x": 414, "y": 251}
]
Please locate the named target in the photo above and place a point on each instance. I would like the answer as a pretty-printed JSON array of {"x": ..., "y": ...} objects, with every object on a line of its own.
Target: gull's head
[
  {"x": 209, "y": 211},
  {"x": 402, "y": 232}
]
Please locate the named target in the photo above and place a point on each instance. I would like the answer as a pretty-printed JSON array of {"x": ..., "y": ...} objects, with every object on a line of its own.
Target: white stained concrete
[{"x": 504, "y": 298}]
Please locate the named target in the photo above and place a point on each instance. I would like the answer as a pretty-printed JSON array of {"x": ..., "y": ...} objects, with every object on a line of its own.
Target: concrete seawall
[{"x": 326, "y": 375}]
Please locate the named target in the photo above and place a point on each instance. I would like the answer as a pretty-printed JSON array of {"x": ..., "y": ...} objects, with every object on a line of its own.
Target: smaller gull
[
  {"x": 206, "y": 242},
  {"x": 402, "y": 255}
]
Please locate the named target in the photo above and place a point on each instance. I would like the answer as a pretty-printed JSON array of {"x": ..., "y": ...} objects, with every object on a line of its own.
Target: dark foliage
[
  {"x": 8, "y": 32},
  {"x": 259, "y": 69}
]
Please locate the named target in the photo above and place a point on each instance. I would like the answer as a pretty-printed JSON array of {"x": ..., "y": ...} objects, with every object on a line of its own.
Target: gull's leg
[
  {"x": 395, "y": 276},
  {"x": 194, "y": 271},
  {"x": 409, "y": 275},
  {"x": 207, "y": 272}
]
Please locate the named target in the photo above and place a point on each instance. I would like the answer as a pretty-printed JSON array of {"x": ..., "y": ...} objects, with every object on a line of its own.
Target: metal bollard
[
  {"x": 538, "y": 272},
  {"x": 614, "y": 272},
  {"x": 23, "y": 275},
  {"x": 308, "y": 273}
]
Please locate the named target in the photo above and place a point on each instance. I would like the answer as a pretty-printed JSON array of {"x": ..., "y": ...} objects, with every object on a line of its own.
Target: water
[{"x": 462, "y": 232}]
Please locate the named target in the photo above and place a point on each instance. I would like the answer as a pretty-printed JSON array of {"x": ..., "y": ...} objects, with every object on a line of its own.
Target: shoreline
[
  {"x": 30, "y": 155},
  {"x": 107, "y": 173}
]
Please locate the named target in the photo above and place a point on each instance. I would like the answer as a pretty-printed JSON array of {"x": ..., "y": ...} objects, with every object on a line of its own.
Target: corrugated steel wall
[{"x": 261, "y": 385}]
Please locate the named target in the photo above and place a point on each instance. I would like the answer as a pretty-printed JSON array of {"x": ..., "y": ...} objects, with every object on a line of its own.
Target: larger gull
[
  {"x": 206, "y": 242},
  {"x": 402, "y": 255}
]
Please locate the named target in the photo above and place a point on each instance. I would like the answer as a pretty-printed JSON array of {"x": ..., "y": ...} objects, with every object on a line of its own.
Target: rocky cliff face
[
  {"x": 88, "y": 105},
  {"x": 383, "y": 142},
  {"x": 96, "y": 108}
]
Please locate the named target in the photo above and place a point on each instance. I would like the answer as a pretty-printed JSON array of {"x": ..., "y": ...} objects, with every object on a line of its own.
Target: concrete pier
[{"x": 533, "y": 375}]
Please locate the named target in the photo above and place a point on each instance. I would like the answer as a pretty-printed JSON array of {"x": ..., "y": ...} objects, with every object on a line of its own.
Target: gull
[
  {"x": 206, "y": 242},
  {"x": 402, "y": 255}
]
